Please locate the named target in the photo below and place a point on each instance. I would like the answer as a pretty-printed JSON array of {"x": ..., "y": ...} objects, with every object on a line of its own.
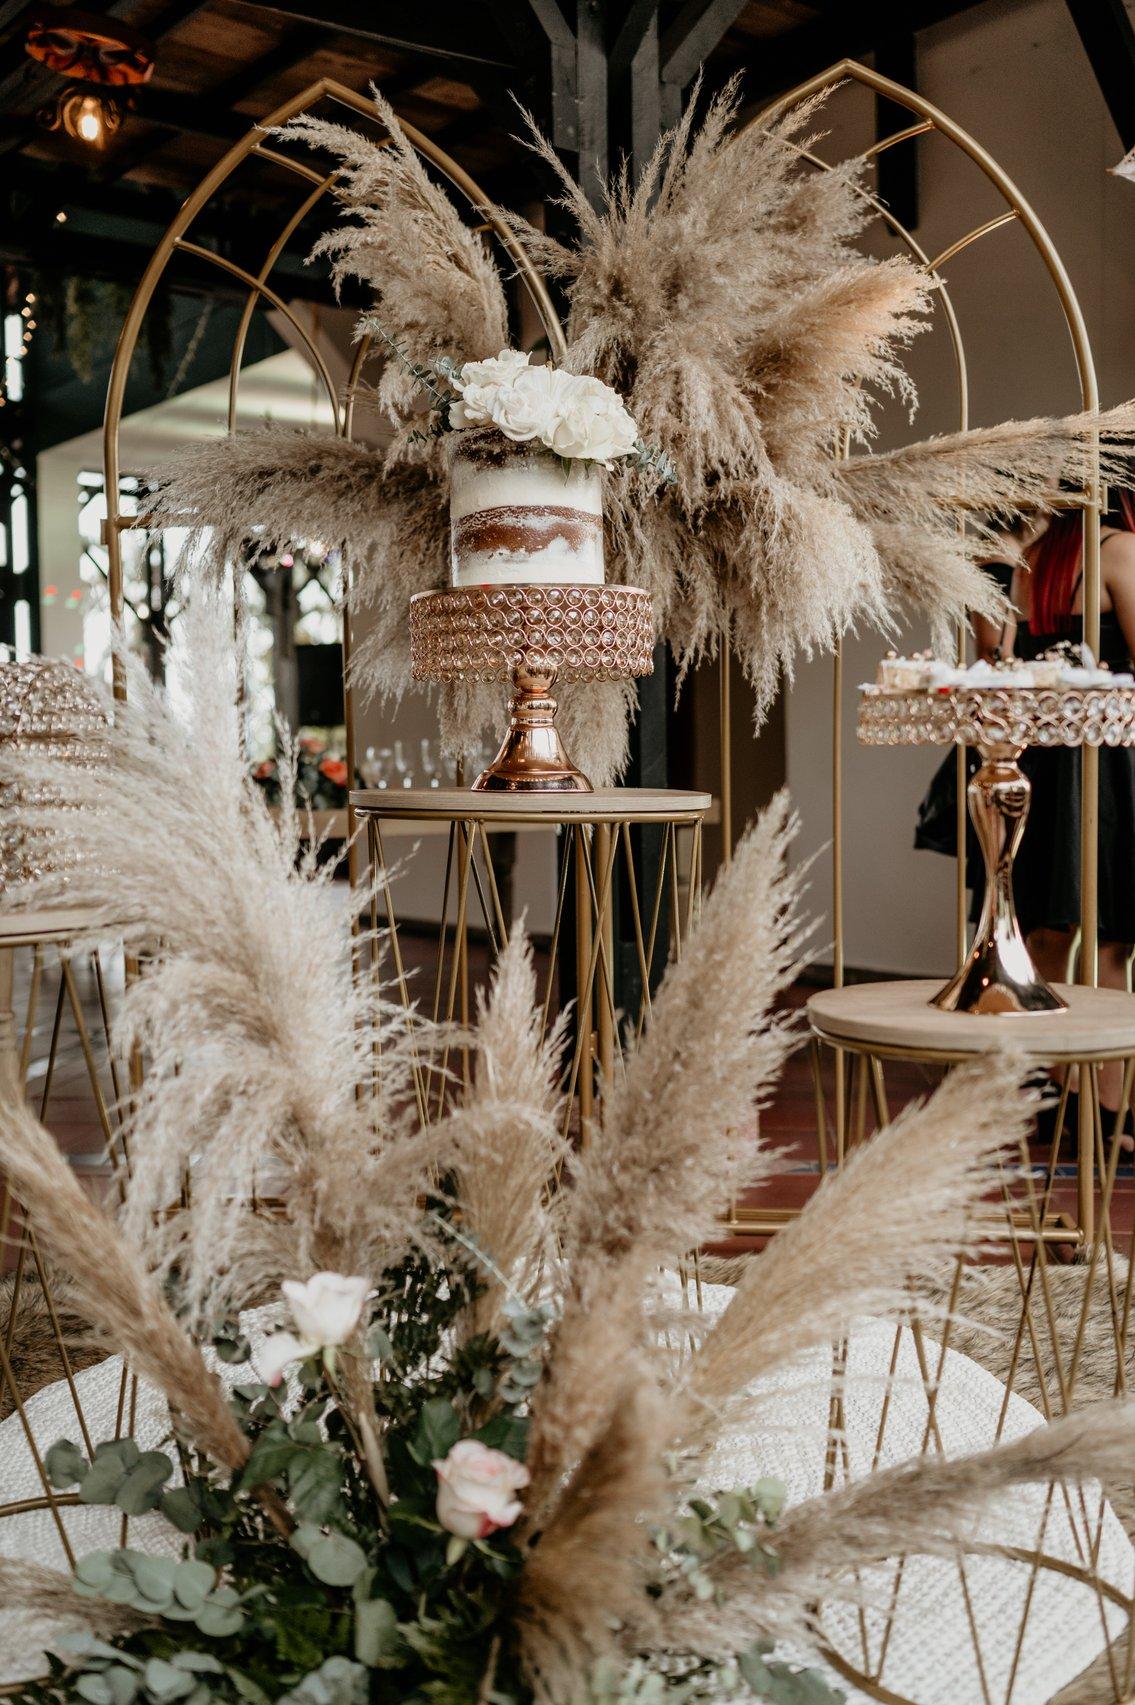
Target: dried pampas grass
[
  {"x": 930, "y": 1505},
  {"x": 676, "y": 1139},
  {"x": 112, "y": 1287},
  {"x": 848, "y": 1253},
  {"x": 254, "y": 1030},
  {"x": 48, "y": 1594},
  {"x": 509, "y": 1142},
  {"x": 436, "y": 288},
  {"x": 936, "y": 508}
]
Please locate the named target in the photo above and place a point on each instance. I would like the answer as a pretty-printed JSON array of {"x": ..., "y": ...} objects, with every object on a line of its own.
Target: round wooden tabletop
[
  {"x": 22, "y": 927},
  {"x": 605, "y": 805},
  {"x": 895, "y": 1020}
]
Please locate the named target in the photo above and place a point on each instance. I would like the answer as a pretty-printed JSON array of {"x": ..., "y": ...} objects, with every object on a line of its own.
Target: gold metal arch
[
  {"x": 175, "y": 240},
  {"x": 867, "y": 1674},
  {"x": 931, "y": 119}
]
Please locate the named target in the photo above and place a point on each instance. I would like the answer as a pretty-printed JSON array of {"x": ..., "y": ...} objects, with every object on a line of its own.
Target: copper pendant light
[{"x": 97, "y": 54}]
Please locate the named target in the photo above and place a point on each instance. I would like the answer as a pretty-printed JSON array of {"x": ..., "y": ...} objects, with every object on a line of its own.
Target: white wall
[{"x": 1014, "y": 74}]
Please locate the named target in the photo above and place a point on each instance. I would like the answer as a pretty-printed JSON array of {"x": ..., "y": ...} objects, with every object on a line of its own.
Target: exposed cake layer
[
  {"x": 519, "y": 516},
  {"x": 527, "y": 544}
]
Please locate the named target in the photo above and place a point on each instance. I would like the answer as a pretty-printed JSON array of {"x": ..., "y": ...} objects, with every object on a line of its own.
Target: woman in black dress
[{"x": 1047, "y": 596}]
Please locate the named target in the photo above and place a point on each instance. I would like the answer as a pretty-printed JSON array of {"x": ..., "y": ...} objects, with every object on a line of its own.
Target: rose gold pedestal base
[
  {"x": 532, "y": 758},
  {"x": 999, "y": 976}
]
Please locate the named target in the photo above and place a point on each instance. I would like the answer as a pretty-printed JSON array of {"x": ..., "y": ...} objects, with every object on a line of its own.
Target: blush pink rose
[{"x": 476, "y": 1489}]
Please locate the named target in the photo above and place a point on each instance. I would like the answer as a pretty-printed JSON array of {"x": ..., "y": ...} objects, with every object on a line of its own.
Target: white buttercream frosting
[{"x": 524, "y": 518}]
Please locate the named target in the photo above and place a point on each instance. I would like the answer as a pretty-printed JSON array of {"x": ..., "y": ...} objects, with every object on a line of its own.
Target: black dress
[{"x": 1046, "y": 878}]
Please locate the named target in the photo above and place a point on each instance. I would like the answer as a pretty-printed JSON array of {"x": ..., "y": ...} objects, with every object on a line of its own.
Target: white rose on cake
[
  {"x": 479, "y": 382},
  {"x": 529, "y": 407},
  {"x": 575, "y": 416},
  {"x": 593, "y": 422}
]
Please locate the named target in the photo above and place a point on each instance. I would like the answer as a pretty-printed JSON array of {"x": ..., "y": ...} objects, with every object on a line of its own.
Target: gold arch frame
[
  {"x": 931, "y": 119},
  {"x": 175, "y": 240},
  {"x": 255, "y": 145}
]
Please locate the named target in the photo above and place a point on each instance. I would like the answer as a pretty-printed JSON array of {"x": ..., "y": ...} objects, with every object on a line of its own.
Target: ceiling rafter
[
  {"x": 449, "y": 33},
  {"x": 176, "y": 112}
]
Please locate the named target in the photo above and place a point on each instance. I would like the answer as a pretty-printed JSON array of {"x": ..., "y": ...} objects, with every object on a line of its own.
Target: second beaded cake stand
[
  {"x": 533, "y": 636},
  {"x": 998, "y": 975}
]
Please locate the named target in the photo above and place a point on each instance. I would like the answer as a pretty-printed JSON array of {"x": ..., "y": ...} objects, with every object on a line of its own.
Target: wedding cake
[{"x": 521, "y": 516}]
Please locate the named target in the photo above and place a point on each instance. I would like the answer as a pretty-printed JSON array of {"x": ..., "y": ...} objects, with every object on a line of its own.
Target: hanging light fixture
[
  {"x": 97, "y": 54},
  {"x": 88, "y": 115}
]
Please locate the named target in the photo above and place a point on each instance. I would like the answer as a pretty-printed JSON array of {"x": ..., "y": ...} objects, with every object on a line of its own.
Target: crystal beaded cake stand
[
  {"x": 533, "y": 636},
  {"x": 998, "y": 975}
]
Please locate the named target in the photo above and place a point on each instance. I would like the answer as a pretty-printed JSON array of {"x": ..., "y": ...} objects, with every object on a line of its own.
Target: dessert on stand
[
  {"x": 1063, "y": 698},
  {"x": 527, "y": 603}
]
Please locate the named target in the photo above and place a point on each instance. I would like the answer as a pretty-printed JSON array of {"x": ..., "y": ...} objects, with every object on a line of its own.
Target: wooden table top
[
  {"x": 896, "y": 1019},
  {"x": 605, "y": 805}
]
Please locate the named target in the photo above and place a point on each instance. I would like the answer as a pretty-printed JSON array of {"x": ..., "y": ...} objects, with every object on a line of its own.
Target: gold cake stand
[
  {"x": 533, "y": 636},
  {"x": 998, "y": 975}
]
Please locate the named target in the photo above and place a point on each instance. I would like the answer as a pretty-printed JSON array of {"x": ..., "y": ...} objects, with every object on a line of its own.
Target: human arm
[{"x": 1118, "y": 566}]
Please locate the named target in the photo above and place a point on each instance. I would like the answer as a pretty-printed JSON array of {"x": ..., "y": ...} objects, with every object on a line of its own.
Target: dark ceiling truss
[
  {"x": 446, "y": 31},
  {"x": 176, "y": 114}
]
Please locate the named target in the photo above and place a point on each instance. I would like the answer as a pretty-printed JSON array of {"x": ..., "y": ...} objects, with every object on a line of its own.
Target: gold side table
[
  {"x": 876, "y": 1022},
  {"x": 597, "y": 832}
]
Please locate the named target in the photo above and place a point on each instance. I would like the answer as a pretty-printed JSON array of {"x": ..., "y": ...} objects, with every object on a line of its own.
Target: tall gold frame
[
  {"x": 928, "y": 119},
  {"x": 256, "y": 144}
]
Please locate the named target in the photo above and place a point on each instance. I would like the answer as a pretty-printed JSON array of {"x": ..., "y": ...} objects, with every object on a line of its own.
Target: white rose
[
  {"x": 278, "y": 1353},
  {"x": 475, "y": 1492},
  {"x": 327, "y": 1308},
  {"x": 528, "y": 408},
  {"x": 479, "y": 382},
  {"x": 593, "y": 423}
]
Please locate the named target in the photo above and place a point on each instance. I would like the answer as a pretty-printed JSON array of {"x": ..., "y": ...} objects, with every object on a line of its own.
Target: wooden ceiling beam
[
  {"x": 772, "y": 66},
  {"x": 449, "y": 33},
  {"x": 187, "y": 114},
  {"x": 693, "y": 35}
]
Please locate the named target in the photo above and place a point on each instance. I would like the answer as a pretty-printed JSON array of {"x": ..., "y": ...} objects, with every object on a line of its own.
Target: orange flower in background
[
  {"x": 310, "y": 743},
  {"x": 335, "y": 770},
  {"x": 264, "y": 770}
]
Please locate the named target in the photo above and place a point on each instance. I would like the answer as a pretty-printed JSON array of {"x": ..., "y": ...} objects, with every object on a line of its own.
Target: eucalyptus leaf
[
  {"x": 219, "y": 1620},
  {"x": 123, "y": 1683},
  {"x": 142, "y": 1488},
  {"x": 377, "y": 1641},
  {"x": 96, "y": 1689},
  {"x": 180, "y": 1507},
  {"x": 65, "y": 1464},
  {"x": 165, "y": 1681},
  {"x": 95, "y": 1570},
  {"x": 336, "y": 1560},
  {"x": 102, "y": 1480},
  {"x": 153, "y": 1577},
  {"x": 192, "y": 1583}
]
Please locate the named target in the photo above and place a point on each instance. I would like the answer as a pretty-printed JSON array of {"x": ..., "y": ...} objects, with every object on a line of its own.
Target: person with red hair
[{"x": 1046, "y": 591}]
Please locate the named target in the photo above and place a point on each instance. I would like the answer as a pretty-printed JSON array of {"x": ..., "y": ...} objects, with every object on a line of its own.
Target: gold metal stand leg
[
  {"x": 605, "y": 922},
  {"x": 583, "y": 938}
]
